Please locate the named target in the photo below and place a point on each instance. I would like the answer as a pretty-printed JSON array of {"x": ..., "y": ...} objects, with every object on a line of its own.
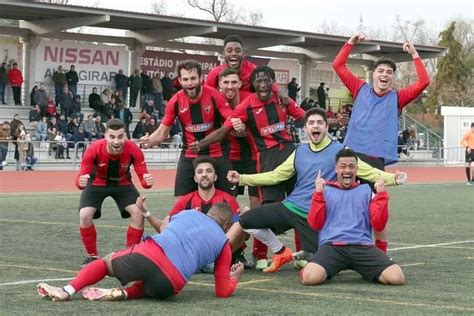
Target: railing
[{"x": 426, "y": 139}]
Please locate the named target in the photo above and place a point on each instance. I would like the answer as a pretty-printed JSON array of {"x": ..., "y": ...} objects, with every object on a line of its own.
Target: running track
[{"x": 63, "y": 181}]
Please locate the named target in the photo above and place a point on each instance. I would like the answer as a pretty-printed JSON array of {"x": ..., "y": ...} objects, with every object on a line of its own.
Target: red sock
[
  {"x": 382, "y": 245},
  {"x": 90, "y": 274},
  {"x": 134, "y": 235},
  {"x": 135, "y": 291},
  {"x": 297, "y": 241},
  {"x": 259, "y": 249},
  {"x": 89, "y": 240}
]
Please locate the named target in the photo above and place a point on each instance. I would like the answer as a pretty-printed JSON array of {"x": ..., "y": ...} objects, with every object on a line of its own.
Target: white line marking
[
  {"x": 433, "y": 245},
  {"x": 34, "y": 281}
]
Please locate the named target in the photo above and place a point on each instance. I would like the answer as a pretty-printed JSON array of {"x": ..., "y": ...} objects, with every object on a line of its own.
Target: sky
[{"x": 307, "y": 15}]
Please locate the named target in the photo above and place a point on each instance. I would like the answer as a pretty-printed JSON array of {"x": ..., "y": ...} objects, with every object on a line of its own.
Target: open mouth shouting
[{"x": 233, "y": 62}]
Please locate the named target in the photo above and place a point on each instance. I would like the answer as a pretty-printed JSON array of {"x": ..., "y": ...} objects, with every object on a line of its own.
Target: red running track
[{"x": 63, "y": 181}]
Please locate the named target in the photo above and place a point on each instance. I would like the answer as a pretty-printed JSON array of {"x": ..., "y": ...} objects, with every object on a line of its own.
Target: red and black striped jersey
[
  {"x": 193, "y": 200},
  {"x": 198, "y": 118},
  {"x": 266, "y": 120},
  {"x": 105, "y": 169},
  {"x": 240, "y": 147},
  {"x": 244, "y": 74}
]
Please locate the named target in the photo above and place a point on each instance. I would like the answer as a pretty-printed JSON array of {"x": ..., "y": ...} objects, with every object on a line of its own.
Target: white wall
[{"x": 457, "y": 121}]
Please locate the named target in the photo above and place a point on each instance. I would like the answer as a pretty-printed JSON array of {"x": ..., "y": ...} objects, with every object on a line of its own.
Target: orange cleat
[{"x": 279, "y": 260}]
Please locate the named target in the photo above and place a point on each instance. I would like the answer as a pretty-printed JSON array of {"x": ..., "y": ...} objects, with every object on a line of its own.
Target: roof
[{"x": 52, "y": 21}]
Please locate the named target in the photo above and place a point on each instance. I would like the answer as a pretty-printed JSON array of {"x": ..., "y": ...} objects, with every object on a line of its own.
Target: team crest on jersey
[
  {"x": 198, "y": 128},
  {"x": 207, "y": 109},
  {"x": 267, "y": 130}
]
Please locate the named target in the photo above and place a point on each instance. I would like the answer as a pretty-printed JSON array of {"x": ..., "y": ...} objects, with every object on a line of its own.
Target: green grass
[{"x": 40, "y": 240}]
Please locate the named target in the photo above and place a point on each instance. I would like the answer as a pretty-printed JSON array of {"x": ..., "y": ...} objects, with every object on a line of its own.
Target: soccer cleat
[
  {"x": 279, "y": 260},
  {"x": 88, "y": 260},
  {"x": 261, "y": 264},
  {"x": 98, "y": 294},
  {"x": 56, "y": 294},
  {"x": 301, "y": 258},
  {"x": 470, "y": 183}
]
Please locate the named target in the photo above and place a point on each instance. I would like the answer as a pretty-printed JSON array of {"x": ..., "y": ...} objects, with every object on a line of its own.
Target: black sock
[
  {"x": 468, "y": 174},
  {"x": 280, "y": 251}
]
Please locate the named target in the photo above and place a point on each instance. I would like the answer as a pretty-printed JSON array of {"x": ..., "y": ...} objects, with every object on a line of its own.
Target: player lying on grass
[
  {"x": 344, "y": 212},
  {"x": 162, "y": 264}
]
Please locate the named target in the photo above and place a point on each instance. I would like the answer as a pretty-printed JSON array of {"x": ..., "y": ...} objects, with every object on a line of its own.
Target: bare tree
[
  {"x": 158, "y": 7},
  {"x": 224, "y": 11}
]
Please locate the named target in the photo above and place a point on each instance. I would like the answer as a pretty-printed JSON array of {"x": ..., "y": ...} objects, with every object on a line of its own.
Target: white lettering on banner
[
  {"x": 282, "y": 76},
  {"x": 198, "y": 128},
  {"x": 267, "y": 130},
  {"x": 86, "y": 56},
  {"x": 91, "y": 75}
]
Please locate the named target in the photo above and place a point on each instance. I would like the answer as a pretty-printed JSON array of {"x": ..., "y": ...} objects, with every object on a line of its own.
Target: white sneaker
[{"x": 4, "y": 163}]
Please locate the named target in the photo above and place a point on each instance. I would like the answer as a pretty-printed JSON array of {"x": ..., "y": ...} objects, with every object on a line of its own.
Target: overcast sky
[{"x": 306, "y": 15}]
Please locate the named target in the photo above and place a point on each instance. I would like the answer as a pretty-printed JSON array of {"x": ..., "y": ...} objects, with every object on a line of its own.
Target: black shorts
[
  {"x": 128, "y": 266},
  {"x": 369, "y": 261},
  {"x": 268, "y": 160},
  {"x": 94, "y": 196},
  {"x": 184, "y": 182},
  {"x": 280, "y": 219},
  {"x": 470, "y": 156},
  {"x": 245, "y": 166}
]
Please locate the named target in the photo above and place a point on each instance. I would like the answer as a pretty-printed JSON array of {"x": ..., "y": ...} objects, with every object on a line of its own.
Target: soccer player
[
  {"x": 373, "y": 127},
  {"x": 265, "y": 221},
  {"x": 345, "y": 213},
  {"x": 200, "y": 110},
  {"x": 468, "y": 142},
  {"x": 268, "y": 136},
  {"x": 105, "y": 171},
  {"x": 162, "y": 264},
  {"x": 243, "y": 157}
]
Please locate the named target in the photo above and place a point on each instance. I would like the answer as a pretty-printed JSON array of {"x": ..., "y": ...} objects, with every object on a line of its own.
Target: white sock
[
  {"x": 267, "y": 237},
  {"x": 69, "y": 289}
]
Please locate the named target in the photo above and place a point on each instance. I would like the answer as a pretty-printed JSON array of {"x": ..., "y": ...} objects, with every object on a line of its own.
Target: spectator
[
  {"x": 293, "y": 88},
  {"x": 401, "y": 145},
  {"x": 135, "y": 83},
  {"x": 41, "y": 132},
  {"x": 3, "y": 81},
  {"x": 125, "y": 116},
  {"x": 62, "y": 124},
  {"x": 140, "y": 128},
  {"x": 167, "y": 85},
  {"x": 321, "y": 96},
  {"x": 118, "y": 98},
  {"x": 412, "y": 138},
  {"x": 78, "y": 137},
  {"x": 158, "y": 94},
  {"x": 72, "y": 79},
  {"x": 5, "y": 137},
  {"x": 72, "y": 127},
  {"x": 41, "y": 99},
  {"x": 52, "y": 133},
  {"x": 23, "y": 140},
  {"x": 66, "y": 102},
  {"x": 121, "y": 84},
  {"x": 90, "y": 130},
  {"x": 76, "y": 109},
  {"x": 61, "y": 146},
  {"x": 31, "y": 159},
  {"x": 108, "y": 110},
  {"x": 147, "y": 85},
  {"x": 99, "y": 126},
  {"x": 34, "y": 116},
  {"x": 51, "y": 110},
  {"x": 53, "y": 123},
  {"x": 14, "y": 128},
  {"x": 95, "y": 102},
  {"x": 151, "y": 126},
  {"x": 59, "y": 79},
  {"x": 32, "y": 96},
  {"x": 16, "y": 81}
]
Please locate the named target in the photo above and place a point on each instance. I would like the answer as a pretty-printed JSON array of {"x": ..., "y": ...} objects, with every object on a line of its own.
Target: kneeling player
[
  {"x": 345, "y": 213},
  {"x": 162, "y": 264}
]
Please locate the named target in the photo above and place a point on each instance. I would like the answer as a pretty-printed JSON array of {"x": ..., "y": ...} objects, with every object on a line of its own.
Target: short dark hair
[
  {"x": 346, "y": 152},
  {"x": 224, "y": 210},
  {"x": 315, "y": 111},
  {"x": 233, "y": 38},
  {"x": 115, "y": 124},
  {"x": 265, "y": 69},
  {"x": 385, "y": 61},
  {"x": 204, "y": 159},
  {"x": 189, "y": 65},
  {"x": 15, "y": 64},
  {"x": 228, "y": 71}
]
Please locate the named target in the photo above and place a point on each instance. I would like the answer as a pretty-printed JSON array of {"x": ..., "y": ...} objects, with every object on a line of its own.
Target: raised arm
[
  {"x": 154, "y": 221},
  {"x": 317, "y": 211}
]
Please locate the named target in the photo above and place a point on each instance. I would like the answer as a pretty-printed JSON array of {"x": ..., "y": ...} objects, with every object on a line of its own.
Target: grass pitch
[{"x": 431, "y": 236}]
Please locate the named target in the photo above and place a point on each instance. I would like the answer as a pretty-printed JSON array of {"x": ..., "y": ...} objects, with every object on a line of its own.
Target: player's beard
[
  {"x": 205, "y": 184},
  {"x": 194, "y": 92},
  {"x": 115, "y": 150}
]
